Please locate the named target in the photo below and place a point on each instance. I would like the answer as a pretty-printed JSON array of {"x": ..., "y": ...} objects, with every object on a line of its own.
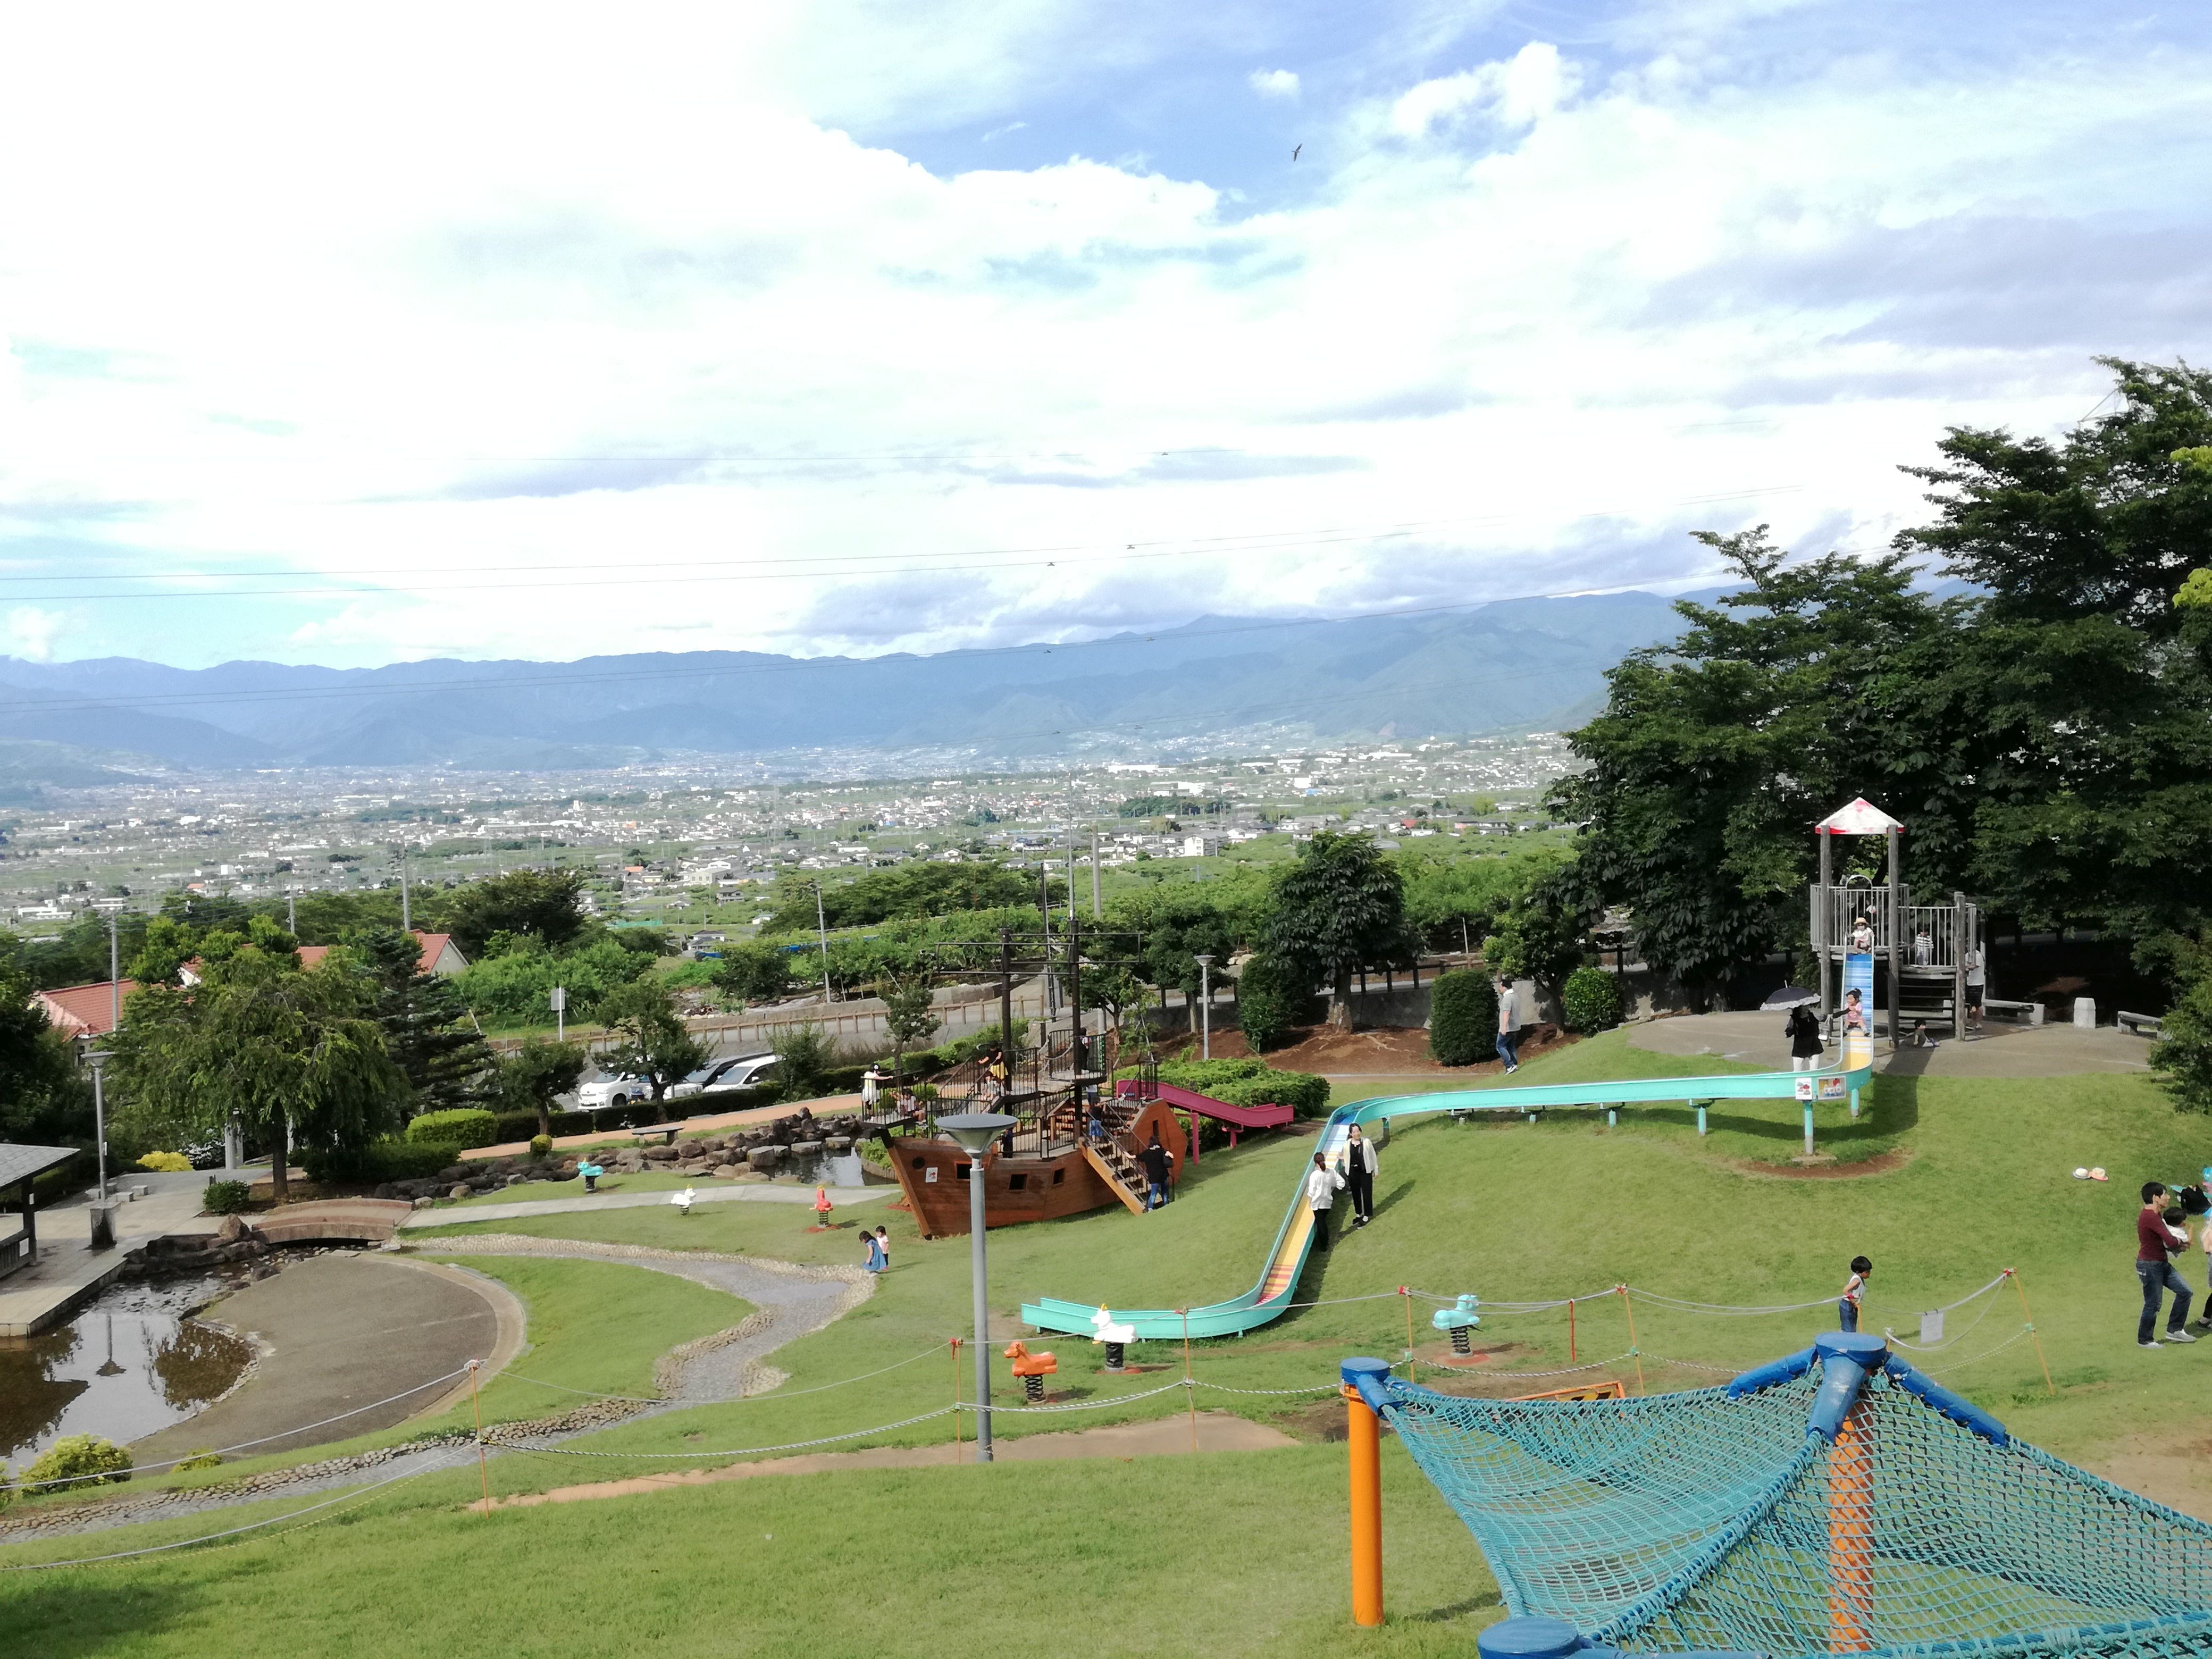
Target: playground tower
[{"x": 1925, "y": 983}]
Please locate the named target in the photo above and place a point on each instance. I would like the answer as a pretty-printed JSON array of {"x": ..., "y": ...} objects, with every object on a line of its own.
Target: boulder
[
  {"x": 517, "y": 1179},
  {"x": 806, "y": 1149},
  {"x": 387, "y": 1190},
  {"x": 838, "y": 1143},
  {"x": 764, "y": 1158},
  {"x": 451, "y": 1172},
  {"x": 727, "y": 1171},
  {"x": 424, "y": 1203},
  {"x": 660, "y": 1154},
  {"x": 459, "y": 1189},
  {"x": 693, "y": 1166},
  {"x": 232, "y": 1230}
]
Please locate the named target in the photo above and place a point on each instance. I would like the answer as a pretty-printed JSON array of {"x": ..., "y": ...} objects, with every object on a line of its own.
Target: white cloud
[
  {"x": 32, "y": 632},
  {"x": 633, "y": 335},
  {"x": 1275, "y": 83}
]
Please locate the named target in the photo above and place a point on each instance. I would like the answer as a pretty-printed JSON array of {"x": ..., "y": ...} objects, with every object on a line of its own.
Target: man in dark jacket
[{"x": 1157, "y": 1161}]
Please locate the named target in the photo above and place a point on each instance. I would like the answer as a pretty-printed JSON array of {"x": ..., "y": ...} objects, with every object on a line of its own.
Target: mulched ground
[{"x": 1385, "y": 1051}]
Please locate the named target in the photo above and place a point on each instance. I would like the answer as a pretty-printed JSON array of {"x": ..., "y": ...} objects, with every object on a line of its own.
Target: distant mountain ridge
[{"x": 1515, "y": 665}]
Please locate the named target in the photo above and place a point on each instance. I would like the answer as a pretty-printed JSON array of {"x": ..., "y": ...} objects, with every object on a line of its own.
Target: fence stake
[
  {"x": 1190, "y": 1392},
  {"x": 1571, "y": 1330},
  {"x": 956, "y": 1399},
  {"x": 2052, "y": 1387},
  {"x": 1631, "y": 1306},
  {"x": 477, "y": 1400},
  {"x": 1413, "y": 1372}
]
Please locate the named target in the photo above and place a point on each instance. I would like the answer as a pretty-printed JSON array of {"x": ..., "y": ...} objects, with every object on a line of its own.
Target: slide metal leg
[
  {"x": 1808, "y": 1128},
  {"x": 1854, "y": 1103},
  {"x": 1700, "y": 1105}
]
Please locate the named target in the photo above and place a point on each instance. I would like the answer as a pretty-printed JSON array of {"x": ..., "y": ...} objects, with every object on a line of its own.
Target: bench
[
  {"x": 2140, "y": 1025},
  {"x": 667, "y": 1132},
  {"x": 2031, "y": 1011}
]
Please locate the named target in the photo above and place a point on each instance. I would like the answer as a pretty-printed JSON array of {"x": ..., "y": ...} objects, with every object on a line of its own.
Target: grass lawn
[
  {"x": 527, "y": 1191},
  {"x": 1511, "y": 1211}
]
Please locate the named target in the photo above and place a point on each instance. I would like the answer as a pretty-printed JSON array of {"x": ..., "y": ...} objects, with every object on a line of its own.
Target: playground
[{"x": 1523, "y": 1215}]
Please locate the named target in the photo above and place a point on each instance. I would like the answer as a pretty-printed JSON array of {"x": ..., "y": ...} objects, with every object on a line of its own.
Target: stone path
[
  {"x": 707, "y": 1191},
  {"x": 2005, "y": 1050},
  {"x": 792, "y": 1301},
  {"x": 67, "y": 1272}
]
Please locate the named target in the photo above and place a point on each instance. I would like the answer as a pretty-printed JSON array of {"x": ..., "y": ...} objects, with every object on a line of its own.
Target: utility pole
[
  {"x": 292, "y": 914},
  {"x": 1006, "y": 996},
  {"x": 406, "y": 910},
  {"x": 1071, "y": 875},
  {"x": 114, "y": 986},
  {"x": 1206, "y": 1003},
  {"x": 1075, "y": 989},
  {"x": 1097, "y": 910},
  {"x": 822, "y": 932}
]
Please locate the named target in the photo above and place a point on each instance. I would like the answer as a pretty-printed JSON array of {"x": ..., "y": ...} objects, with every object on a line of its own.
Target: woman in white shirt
[{"x": 1322, "y": 1185}]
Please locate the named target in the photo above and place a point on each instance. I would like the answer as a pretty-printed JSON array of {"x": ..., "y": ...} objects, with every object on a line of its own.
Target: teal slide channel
[{"x": 1279, "y": 1278}]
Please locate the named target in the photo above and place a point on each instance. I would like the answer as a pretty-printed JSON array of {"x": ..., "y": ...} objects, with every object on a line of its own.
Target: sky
[{"x": 351, "y": 337}]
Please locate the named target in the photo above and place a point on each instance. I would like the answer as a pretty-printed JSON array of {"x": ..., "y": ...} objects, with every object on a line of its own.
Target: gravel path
[{"x": 791, "y": 1301}]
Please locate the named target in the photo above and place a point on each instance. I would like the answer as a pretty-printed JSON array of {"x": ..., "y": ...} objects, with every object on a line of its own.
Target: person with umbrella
[{"x": 1802, "y": 1027}]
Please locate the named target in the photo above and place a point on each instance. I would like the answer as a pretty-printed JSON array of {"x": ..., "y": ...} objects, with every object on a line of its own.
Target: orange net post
[
  {"x": 1412, "y": 1368},
  {"x": 484, "y": 1475},
  {"x": 1365, "y": 1445},
  {"x": 1850, "y": 1535}
]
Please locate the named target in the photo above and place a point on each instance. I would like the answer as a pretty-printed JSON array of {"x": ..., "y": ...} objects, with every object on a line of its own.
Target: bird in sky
[{"x": 1294, "y": 154}]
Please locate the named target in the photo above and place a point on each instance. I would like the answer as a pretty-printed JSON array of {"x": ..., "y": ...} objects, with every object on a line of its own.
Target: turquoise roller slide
[{"x": 1286, "y": 1257}]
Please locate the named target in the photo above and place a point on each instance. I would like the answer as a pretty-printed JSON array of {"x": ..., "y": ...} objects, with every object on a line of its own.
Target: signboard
[{"x": 558, "y": 996}]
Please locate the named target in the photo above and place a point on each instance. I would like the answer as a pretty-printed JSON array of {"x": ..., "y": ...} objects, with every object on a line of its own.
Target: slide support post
[
  {"x": 1808, "y": 1128},
  {"x": 1700, "y": 1105}
]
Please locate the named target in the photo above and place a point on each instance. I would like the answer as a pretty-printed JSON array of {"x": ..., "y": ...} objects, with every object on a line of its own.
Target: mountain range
[{"x": 1520, "y": 665}]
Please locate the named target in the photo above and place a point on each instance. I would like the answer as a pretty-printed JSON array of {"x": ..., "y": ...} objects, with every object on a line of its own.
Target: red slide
[{"x": 1238, "y": 1118}]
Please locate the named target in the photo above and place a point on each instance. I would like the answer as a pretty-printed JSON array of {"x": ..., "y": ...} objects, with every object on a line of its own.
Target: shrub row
[
  {"x": 1251, "y": 1083},
  {"x": 379, "y": 1161},
  {"x": 1462, "y": 1018},
  {"x": 463, "y": 1126}
]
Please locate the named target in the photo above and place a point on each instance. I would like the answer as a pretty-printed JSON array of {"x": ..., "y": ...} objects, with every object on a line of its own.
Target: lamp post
[
  {"x": 821, "y": 932},
  {"x": 975, "y": 1131},
  {"x": 1206, "y": 1003},
  {"x": 99, "y": 1058}
]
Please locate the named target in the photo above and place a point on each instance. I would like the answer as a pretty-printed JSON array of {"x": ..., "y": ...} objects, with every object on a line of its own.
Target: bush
[
  {"x": 165, "y": 1163},
  {"x": 1251, "y": 1083},
  {"x": 804, "y": 1054},
  {"x": 464, "y": 1125},
  {"x": 1462, "y": 1018},
  {"x": 202, "y": 1459},
  {"x": 388, "y": 1159},
  {"x": 541, "y": 1146},
  {"x": 1267, "y": 1004},
  {"x": 227, "y": 1197},
  {"x": 73, "y": 1457},
  {"x": 1590, "y": 1001}
]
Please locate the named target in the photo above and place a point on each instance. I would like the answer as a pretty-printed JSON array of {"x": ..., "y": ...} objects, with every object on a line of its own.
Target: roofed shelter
[{"x": 19, "y": 1231}]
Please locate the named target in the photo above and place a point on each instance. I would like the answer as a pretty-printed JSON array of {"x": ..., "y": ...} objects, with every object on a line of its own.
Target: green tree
[
  {"x": 908, "y": 1020},
  {"x": 1268, "y": 1002},
  {"x": 531, "y": 1078},
  {"x": 804, "y": 1054},
  {"x": 426, "y": 1027},
  {"x": 166, "y": 946},
  {"x": 752, "y": 973},
  {"x": 298, "y": 1056},
  {"x": 653, "y": 1042},
  {"x": 1339, "y": 907},
  {"x": 543, "y": 905},
  {"x": 1543, "y": 934},
  {"x": 43, "y": 1097}
]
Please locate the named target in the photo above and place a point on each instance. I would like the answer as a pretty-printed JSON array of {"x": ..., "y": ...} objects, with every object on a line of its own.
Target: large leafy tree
[
  {"x": 546, "y": 906},
  {"x": 2081, "y": 679},
  {"x": 298, "y": 1056},
  {"x": 651, "y": 1041},
  {"x": 909, "y": 1018},
  {"x": 43, "y": 1097},
  {"x": 426, "y": 1027},
  {"x": 1340, "y": 907},
  {"x": 1715, "y": 755}
]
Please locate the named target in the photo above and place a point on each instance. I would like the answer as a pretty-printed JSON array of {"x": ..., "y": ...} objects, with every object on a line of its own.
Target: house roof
[
  {"x": 19, "y": 1164},
  {"x": 436, "y": 945},
  {"x": 83, "y": 1010}
]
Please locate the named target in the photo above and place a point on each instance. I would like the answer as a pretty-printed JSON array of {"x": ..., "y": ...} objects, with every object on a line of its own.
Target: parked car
[
  {"x": 718, "y": 1077},
  {"x": 603, "y": 1093}
]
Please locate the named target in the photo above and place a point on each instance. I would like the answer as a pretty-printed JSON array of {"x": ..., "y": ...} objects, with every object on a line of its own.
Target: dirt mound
[{"x": 1384, "y": 1051}]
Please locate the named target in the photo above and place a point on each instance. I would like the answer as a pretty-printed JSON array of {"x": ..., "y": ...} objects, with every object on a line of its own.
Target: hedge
[
  {"x": 1462, "y": 1018},
  {"x": 379, "y": 1162},
  {"x": 1267, "y": 1004},
  {"x": 1251, "y": 1083},
  {"x": 463, "y": 1126},
  {"x": 1590, "y": 1001}
]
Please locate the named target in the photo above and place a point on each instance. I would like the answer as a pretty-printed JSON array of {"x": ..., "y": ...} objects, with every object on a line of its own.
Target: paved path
[
  {"x": 707, "y": 1192},
  {"x": 791, "y": 1301},
  {"x": 335, "y": 1333},
  {"x": 2007, "y": 1050},
  {"x": 67, "y": 1272}
]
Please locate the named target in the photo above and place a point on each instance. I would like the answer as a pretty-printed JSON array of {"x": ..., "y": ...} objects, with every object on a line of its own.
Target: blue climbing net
[{"x": 1814, "y": 1506}]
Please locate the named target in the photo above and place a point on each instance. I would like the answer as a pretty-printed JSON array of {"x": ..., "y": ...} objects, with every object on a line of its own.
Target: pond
[{"x": 128, "y": 1363}]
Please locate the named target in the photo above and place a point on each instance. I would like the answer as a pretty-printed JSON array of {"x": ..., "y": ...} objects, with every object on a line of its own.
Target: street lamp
[
  {"x": 1205, "y": 1000},
  {"x": 975, "y": 1132},
  {"x": 99, "y": 1057}
]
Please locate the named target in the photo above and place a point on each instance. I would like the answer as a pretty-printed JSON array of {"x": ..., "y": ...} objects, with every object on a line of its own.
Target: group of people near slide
[
  {"x": 1355, "y": 1167},
  {"x": 2161, "y": 1235}
]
